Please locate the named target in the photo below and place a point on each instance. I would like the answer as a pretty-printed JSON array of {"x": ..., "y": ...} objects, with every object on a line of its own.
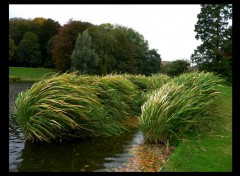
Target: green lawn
[
  {"x": 212, "y": 150},
  {"x": 29, "y": 74}
]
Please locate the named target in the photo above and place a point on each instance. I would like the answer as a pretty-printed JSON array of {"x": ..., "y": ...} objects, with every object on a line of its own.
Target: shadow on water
[
  {"x": 101, "y": 154},
  {"x": 95, "y": 155}
]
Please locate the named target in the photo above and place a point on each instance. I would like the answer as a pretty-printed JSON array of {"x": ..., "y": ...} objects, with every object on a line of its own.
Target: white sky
[{"x": 167, "y": 28}]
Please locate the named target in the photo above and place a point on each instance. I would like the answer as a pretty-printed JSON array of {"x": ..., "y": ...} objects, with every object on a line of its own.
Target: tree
[
  {"x": 211, "y": 28},
  {"x": 63, "y": 45},
  {"x": 42, "y": 27},
  {"x": 175, "y": 68},
  {"x": 84, "y": 59},
  {"x": 152, "y": 62},
  {"x": 225, "y": 66},
  {"x": 18, "y": 27},
  {"x": 226, "y": 51},
  {"x": 12, "y": 48},
  {"x": 104, "y": 43},
  {"x": 47, "y": 29},
  {"x": 131, "y": 51},
  {"x": 28, "y": 52},
  {"x": 49, "y": 63}
]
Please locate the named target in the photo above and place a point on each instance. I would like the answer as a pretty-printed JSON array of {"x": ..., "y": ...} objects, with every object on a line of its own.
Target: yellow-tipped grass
[
  {"x": 58, "y": 107},
  {"x": 119, "y": 95},
  {"x": 141, "y": 81},
  {"x": 71, "y": 106},
  {"x": 204, "y": 80},
  {"x": 157, "y": 80},
  {"x": 178, "y": 106}
]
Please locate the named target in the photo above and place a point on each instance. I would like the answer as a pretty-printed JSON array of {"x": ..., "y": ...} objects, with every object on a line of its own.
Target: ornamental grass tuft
[
  {"x": 60, "y": 107},
  {"x": 157, "y": 80},
  {"x": 179, "y": 106}
]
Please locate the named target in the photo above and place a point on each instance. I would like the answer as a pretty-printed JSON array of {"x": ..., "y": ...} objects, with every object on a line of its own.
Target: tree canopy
[
  {"x": 84, "y": 59},
  {"x": 64, "y": 43},
  {"x": 123, "y": 50},
  {"x": 213, "y": 29},
  {"x": 43, "y": 28},
  {"x": 28, "y": 52}
]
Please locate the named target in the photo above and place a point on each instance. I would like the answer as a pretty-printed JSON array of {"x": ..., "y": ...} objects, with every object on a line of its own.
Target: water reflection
[
  {"x": 98, "y": 155},
  {"x": 101, "y": 154},
  {"x": 16, "y": 138}
]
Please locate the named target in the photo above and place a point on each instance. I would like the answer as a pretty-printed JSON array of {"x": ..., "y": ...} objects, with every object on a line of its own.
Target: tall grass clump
[
  {"x": 59, "y": 107},
  {"x": 120, "y": 96},
  {"x": 141, "y": 81},
  {"x": 157, "y": 80},
  {"x": 178, "y": 106},
  {"x": 205, "y": 81},
  {"x": 143, "y": 85}
]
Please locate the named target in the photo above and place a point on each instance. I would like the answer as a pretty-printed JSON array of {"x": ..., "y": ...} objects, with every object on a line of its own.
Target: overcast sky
[{"x": 167, "y": 28}]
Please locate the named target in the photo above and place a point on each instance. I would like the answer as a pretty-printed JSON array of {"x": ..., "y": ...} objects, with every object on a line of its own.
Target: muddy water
[{"x": 96, "y": 155}]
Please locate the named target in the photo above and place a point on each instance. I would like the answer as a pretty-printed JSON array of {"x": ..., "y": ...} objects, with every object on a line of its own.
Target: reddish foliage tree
[{"x": 63, "y": 45}]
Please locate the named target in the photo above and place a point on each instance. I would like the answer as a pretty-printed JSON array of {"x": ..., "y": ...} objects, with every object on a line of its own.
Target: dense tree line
[
  {"x": 215, "y": 52},
  {"x": 117, "y": 49},
  {"x": 106, "y": 48},
  {"x": 30, "y": 38},
  {"x": 82, "y": 46}
]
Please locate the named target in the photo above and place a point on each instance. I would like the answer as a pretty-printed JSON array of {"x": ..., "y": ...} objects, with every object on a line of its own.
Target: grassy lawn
[
  {"x": 211, "y": 151},
  {"x": 29, "y": 74}
]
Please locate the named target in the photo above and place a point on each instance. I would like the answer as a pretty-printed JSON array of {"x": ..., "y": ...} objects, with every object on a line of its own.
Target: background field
[{"x": 29, "y": 74}]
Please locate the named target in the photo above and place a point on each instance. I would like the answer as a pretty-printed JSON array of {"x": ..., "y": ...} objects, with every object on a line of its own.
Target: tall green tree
[
  {"x": 84, "y": 59},
  {"x": 105, "y": 44},
  {"x": 131, "y": 50},
  {"x": 18, "y": 27},
  {"x": 151, "y": 62},
  {"x": 28, "y": 52},
  {"x": 211, "y": 28},
  {"x": 225, "y": 66},
  {"x": 226, "y": 50},
  {"x": 46, "y": 29}
]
